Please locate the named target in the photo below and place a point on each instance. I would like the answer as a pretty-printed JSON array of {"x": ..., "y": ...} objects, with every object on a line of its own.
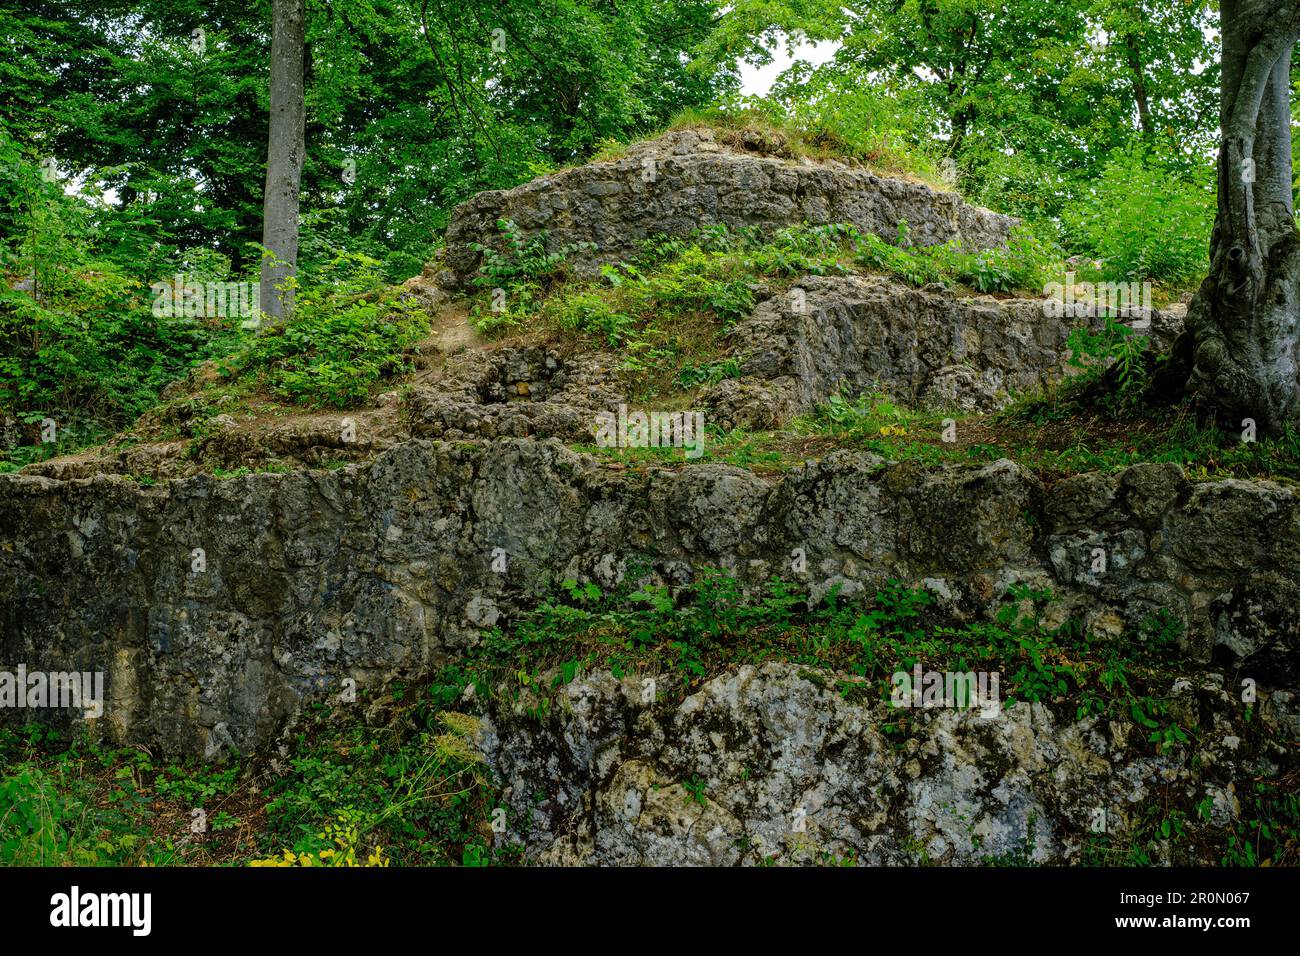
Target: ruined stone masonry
[{"x": 382, "y": 570}]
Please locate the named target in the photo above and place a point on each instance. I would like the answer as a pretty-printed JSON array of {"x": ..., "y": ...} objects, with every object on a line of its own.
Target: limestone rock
[
  {"x": 763, "y": 765},
  {"x": 369, "y": 571},
  {"x": 686, "y": 180}
]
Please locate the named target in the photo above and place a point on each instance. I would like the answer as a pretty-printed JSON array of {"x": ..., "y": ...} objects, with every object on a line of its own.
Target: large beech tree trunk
[
  {"x": 1243, "y": 326},
  {"x": 284, "y": 156}
]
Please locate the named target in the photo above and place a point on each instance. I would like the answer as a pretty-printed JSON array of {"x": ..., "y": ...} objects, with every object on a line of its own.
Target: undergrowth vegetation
[
  {"x": 348, "y": 331},
  {"x": 710, "y": 624},
  {"x": 406, "y": 791},
  {"x": 668, "y": 313},
  {"x": 1267, "y": 832},
  {"x": 711, "y": 272},
  {"x": 1053, "y": 437},
  {"x": 1138, "y": 221},
  {"x": 405, "y": 787},
  {"x": 89, "y": 356}
]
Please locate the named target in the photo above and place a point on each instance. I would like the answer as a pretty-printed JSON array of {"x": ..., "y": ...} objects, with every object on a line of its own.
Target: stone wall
[
  {"x": 384, "y": 570},
  {"x": 930, "y": 347},
  {"x": 782, "y": 769},
  {"x": 686, "y": 180}
]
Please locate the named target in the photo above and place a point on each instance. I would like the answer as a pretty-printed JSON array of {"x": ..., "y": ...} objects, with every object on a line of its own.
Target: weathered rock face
[
  {"x": 826, "y": 336},
  {"x": 511, "y": 392},
  {"x": 783, "y": 769},
  {"x": 217, "y": 609},
  {"x": 920, "y": 347},
  {"x": 686, "y": 180},
  {"x": 387, "y": 570}
]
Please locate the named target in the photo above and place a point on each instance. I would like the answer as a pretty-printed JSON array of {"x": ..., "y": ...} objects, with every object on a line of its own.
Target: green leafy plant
[
  {"x": 708, "y": 373},
  {"x": 1143, "y": 222},
  {"x": 522, "y": 269},
  {"x": 347, "y": 332},
  {"x": 695, "y": 788},
  {"x": 520, "y": 258}
]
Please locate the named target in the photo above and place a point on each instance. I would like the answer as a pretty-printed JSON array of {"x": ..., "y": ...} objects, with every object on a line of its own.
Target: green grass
[
  {"x": 408, "y": 791},
  {"x": 1057, "y": 438},
  {"x": 772, "y": 133},
  {"x": 1052, "y": 439}
]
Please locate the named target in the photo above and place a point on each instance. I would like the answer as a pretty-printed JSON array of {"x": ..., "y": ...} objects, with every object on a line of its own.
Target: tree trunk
[
  {"x": 1243, "y": 326},
  {"x": 284, "y": 158},
  {"x": 1139, "y": 86}
]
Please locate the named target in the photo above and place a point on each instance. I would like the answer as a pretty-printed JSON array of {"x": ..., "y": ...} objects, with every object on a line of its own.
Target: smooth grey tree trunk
[
  {"x": 1243, "y": 326},
  {"x": 286, "y": 149}
]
